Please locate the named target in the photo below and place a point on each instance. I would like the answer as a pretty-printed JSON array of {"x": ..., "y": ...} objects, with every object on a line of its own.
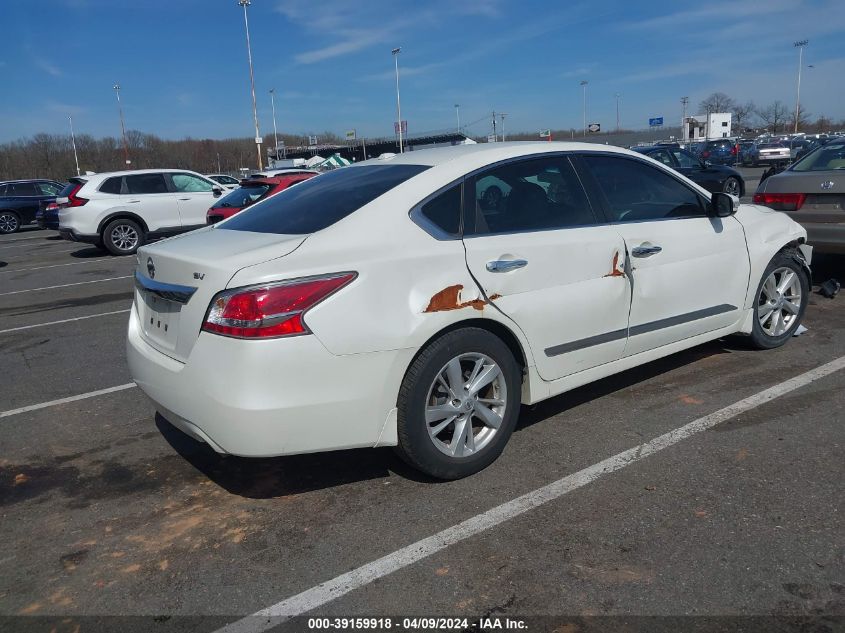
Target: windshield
[
  {"x": 320, "y": 202},
  {"x": 830, "y": 156},
  {"x": 242, "y": 196}
]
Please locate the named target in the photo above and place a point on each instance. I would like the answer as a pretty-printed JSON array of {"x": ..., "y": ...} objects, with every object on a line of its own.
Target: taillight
[
  {"x": 272, "y": 310},
  {"x": 705, "y": 154},
  {"x": 73, "y": 200},
  {"x": 52, "y": 206},
  {"x": 734, "y": 149},
  {"x": 781, "y": 201}
]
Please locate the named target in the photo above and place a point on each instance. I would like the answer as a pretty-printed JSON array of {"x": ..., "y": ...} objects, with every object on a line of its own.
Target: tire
[
  {"x": 780, "y": 301},
  {"x": 122, "y": 237},
  {"x": 732, "y": 186},
  {"x": 455, "y": 357},
  {"x": 10, "y": 222}
]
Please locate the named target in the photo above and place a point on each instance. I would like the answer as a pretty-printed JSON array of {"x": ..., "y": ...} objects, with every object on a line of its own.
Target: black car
[
  {"x": 711, "y": 177},
  {"x": 20, "y": 200}
]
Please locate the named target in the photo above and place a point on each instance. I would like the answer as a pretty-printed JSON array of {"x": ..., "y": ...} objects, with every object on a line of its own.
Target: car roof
[
  {"x": 276, "y": 180},
  {"x": 487, "y": 152},
  {"x": 11, "y": 182},
  {"x": 133, "y": 172}
]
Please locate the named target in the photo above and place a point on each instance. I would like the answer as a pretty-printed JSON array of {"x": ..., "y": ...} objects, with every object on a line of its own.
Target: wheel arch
[{"x": 122, "y": 215}]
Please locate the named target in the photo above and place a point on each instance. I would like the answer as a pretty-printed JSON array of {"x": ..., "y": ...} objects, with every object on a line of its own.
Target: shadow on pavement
[{"x": 89, "y": 252}]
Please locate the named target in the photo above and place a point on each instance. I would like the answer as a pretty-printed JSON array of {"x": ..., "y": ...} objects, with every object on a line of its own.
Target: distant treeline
[{"x": 51, "y": 155}]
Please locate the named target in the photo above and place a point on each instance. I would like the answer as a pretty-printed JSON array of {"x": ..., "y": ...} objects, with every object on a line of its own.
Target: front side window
[
  {"x": 320, "y": 202},
  {"x": 23, "y": 189},
  {"x": 225, "y": 180},
  {"x": 146, "y": 183},
  {"x": 186, "y": 183},
  {"x": 528, "y": 195},
  {"x": 685, "y": 159},
  {"x": 662, "y": 156},
  {"x": 635, "y": 191}
]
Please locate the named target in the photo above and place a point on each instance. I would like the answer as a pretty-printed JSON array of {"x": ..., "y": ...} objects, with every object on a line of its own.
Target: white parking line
[
  {"x": 4, "y": 243},
  {"x": 332, "y": 589},
  {"x": 53, "y": 403},
  {"x": 90, "y": 316},
  {"x": 88, "y": 261},
  {"x": 22, "y": 239},
  {"x": 78, "y": 283},
  {"x": 44, "y": 252}
]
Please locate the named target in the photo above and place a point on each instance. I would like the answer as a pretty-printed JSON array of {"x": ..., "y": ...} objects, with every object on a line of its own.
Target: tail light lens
[
  {"x": 734, "y": 149},
  {"x": 781, "y": 201},
  {"x": 73, "y": 200},
  {"x": 270, "y": 311},
  {"x": 52, "y": 206},
  {"x": 705, "y": 154}
]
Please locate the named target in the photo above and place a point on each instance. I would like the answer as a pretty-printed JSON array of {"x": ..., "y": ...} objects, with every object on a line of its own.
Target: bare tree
[
  {"x": 774, "y": 116},
  {"x": 742, "y": 114},
  {"x": 717, "y": 102}
]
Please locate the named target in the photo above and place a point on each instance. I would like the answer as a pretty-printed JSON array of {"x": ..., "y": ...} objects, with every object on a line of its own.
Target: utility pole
[
  {"x": 584, "y": 86},
  {"x": 502, "y": 116},
  {"x": 73, "y": 142},
  {"x": 275, "y": 133},
  {"x": 245, "y": 4},
  {"x": 495, "y": 136},
  {"x": 617, "y": 111},
  {"x": 122, "y": 126},
  {"x": 458, "y": 115},
  {"x": 684, "y": 102},
  {"x": 395, "y": 53},
  {"x": 800, "y": 46}
]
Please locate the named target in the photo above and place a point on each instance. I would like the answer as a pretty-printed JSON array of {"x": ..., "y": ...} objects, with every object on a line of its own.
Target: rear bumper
[
  {"x": 73, "y": 236},
  {"x": 273, "y": 397},
  {"x": 47, "y": 222}
]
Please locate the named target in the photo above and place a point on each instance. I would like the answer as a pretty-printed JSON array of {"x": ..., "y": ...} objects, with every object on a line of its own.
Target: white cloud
[{"x": 48, "y": 67}]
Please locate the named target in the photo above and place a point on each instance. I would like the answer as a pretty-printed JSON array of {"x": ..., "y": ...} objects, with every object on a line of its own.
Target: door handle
[
  {"x": 184, "y": 199},
  {"x": 133, "y": 201},
  {"x": 644, "y": 250},
  {"x": 506, "y": 265}
]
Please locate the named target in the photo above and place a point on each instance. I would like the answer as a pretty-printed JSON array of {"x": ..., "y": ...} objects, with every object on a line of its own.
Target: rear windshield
[
  {"x": 830, "y": 156},
  {"x": 241, "y": 197},
  {"x": 320, "y": 202},
  {"x": 72, "y": 184}
]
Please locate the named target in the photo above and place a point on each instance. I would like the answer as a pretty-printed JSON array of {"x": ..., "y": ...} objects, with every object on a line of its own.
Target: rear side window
[
  {"x": 635, "y": 191},
  {"x": 528, "y": 195},
  {"x": 444, "y": 210},
  {"x": 112, "y": 185},
  {"x": 320, "y": 202},
  {"x": 146, "y": 183},
  {"x": 49, "y": 188}
]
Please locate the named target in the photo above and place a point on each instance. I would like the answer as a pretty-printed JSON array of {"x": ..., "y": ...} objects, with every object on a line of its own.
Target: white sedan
[{"x": 416, "y": 301}]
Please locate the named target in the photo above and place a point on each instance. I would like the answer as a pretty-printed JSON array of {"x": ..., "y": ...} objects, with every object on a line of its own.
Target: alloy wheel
[
  {"x": 465, "y": 405},
  {"x": 732, "y": 186},
  {"x": 779, "y": 302},
  {"x": 8, "y": 223},
  {"x": 124, "y": 237}
]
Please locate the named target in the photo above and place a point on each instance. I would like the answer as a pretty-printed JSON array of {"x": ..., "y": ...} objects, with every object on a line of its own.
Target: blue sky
[{"x": 183, "y": 69}]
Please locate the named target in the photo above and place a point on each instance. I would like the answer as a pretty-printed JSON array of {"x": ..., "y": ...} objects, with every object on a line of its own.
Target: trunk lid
[{"x": 192, "y": 268}]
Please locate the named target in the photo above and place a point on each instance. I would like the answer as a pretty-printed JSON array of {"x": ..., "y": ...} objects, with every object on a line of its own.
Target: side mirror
[
  {"x": 723, "y": 205},
  {"x": 217, "y": 192}
]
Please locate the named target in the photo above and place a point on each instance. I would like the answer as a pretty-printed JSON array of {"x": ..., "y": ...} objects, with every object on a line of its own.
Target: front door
[
  {"x": 536, "y": 248},
  {"x": 689, "y": 271},
  {"x": 195, "y": 197},
  {"x": 147, "y": 195}
]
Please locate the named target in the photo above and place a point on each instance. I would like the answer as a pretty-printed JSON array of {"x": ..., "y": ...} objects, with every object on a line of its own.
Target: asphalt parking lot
[{"x": 106, "y": 509}]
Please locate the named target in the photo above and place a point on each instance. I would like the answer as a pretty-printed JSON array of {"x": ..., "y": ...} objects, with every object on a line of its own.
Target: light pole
[
  {"x": 684, "y": 102},
  {"x": 275, "y": 133},
  {"x": 617, "y": 111},
  {"x": 73, "y": 142},
  {"x": 122, "y": 127},
  {"x": 502, "y": 116},
  {"x": 395, "y": 53},
  {"x": 245, "y": 4},
  {"x": 584, "y": 86},
  {"x": 458, "y": 115},
  {"x": 800, "y": 46}
]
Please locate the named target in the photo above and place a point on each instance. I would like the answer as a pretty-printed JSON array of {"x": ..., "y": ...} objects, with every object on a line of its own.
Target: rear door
[
  {"x": 27, "y": 197},
  {"x": 195, "y": 197},
  {"x": 544, "y": 259},
  {"x": 148, "y": 196},
  {"x": 689, "y": 271}
]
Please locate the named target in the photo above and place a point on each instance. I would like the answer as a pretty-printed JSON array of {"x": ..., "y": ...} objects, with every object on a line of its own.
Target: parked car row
[{"x": 20, "y": 201}]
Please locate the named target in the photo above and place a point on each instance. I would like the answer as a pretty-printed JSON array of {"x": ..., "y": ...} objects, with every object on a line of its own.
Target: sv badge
[{"x": 199, "y": 275}]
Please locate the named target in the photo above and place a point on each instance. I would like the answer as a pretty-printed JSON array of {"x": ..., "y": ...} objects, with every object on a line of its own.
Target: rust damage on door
[
  {"x": 450, "y": 299},
  {"x": 615, "y": 269}
]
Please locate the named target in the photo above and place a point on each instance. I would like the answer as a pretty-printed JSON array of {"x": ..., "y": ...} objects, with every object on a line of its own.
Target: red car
[{"x": 251, "y": 191}]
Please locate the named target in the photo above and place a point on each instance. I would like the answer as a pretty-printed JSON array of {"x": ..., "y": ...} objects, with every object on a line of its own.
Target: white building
[{"x": 706, "y": 126}]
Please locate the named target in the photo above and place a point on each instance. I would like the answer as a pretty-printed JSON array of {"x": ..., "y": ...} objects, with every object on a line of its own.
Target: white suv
[{"x": 120, "y": 211}]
